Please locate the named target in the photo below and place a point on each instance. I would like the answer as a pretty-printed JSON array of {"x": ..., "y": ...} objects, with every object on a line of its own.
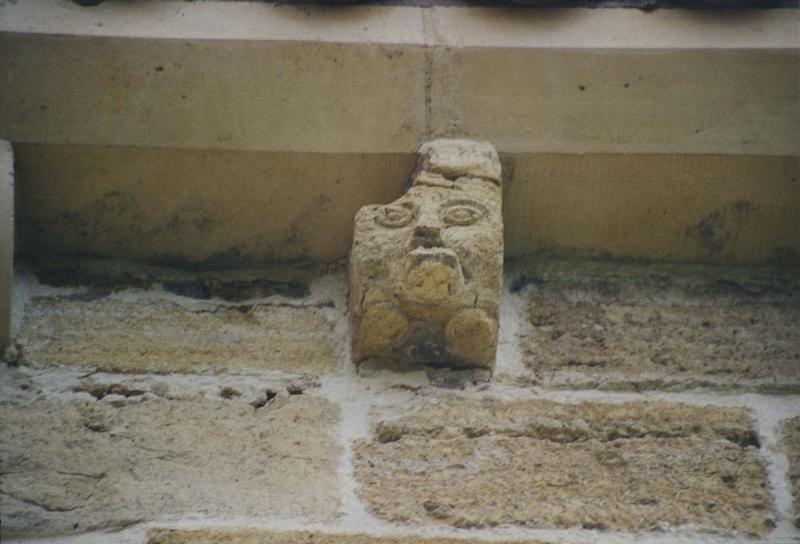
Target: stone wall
[
  {"x": 214, "y": 133},
  {"x": 172, "y": 419}
]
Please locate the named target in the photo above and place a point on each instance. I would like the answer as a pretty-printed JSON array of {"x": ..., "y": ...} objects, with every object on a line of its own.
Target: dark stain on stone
[
  {"x": 101, "y": 281},
  {"x": 268, "y": 397},
  {"x": 743, "y": 207},
  {"x": 785, "y": 256},
  {"x": 100, "y": 390},
  {"x": 235, "y": 290},
  {"x": 323, "y": 202},
  {"x": 294, "y": 389},
  {"x": 99, "y": 284},
  {"x": 190, "y": 221},
  {"x": 73, "y": 223},
  {"x": 231, "y": 258},
  {"x": 392, "y": 52},
  {"x": 717, "y": 229},
  {"x": 749, "y": 288},
  {"x": 188, "y": 288},
  {"x": 292, "y": 235},
  {"x": 228, "y": 393}
]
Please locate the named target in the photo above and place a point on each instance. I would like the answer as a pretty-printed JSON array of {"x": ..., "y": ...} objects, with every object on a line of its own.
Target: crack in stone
[{"x": 32, "y": 502}]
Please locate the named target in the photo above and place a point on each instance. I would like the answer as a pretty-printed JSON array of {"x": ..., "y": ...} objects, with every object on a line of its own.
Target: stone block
[
  {"x": 641, "y": 466},
  {"x": 618, "y": 81},
  {"x": 426, "y": 269},
  {"x": 623, "y": 328},
  {"x": 222, "y": 208},
  {"x": 74, "y": 466},
  {"x": 627, "y": 130},
  {"x": 145, "y": 334},
  {"x": 214, "y": 76},
  {"x": 693, "y": 207}
]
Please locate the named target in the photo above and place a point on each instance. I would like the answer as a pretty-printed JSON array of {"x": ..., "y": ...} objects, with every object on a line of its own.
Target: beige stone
[
  {"x": 622, "y": 328},
  {"x": 426, "y": 270},
  {"x": 791, "y": 441},
  {"x": 6, "y": 242},
  {"x": 221, "y": 536},
  {"x": 594, "y": 203},
  {"x": 158, "y": 89},
  {"x": 384, "y": 77},
  {"x": 141, "y": 334},
  {"x": 222, "y": 208},
  {"x": 82, "y": 465},
  {"x": 668, "y": 207},
  {"x": 644, "y": 466},
  {"x": 325, "y": 118},
  {"x": 671, "y": 99}
]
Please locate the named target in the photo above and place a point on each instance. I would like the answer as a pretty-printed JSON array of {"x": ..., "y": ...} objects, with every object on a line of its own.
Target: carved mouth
[
  {"x": 442, "y": 255},
  {"x": 432, "y": 274}
]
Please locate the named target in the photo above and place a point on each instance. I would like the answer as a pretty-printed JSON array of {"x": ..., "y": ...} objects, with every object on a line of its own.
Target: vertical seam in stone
[
  {"x": 428, "y": 35},
  {"x": 770, "y": 423},
  {"x": 509, "y": 363}
]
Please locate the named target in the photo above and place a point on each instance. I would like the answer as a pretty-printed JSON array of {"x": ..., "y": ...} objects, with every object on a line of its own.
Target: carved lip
[{"x": 442, "y": 255}]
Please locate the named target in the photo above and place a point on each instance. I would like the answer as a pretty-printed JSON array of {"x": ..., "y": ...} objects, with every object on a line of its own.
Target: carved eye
[
  {"x": 462, "y": 215},
  {"x": 393, "y": 216}
]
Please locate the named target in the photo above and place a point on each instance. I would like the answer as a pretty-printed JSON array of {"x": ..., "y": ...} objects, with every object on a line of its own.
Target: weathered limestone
[
  {"x": 222, "y": 536},
  {"x": 6, "y": 242},
  {"x": 426, "y": 270},
  {"x": 72, "y": 466},
  {"x": 688, "y": 207},
  {"x": 223, "y": 207},
  {"x": 791, "y": 441},
  {"x": 559, "y": 92},
  {"x": 105, "y": 276},
  {"x": 141, "y": 333},
  {"x": 604, "y": 151},
  {"x": 149, "y": 68},
  {"x": 642, "y": 466},
  {"x": 640, "y": 328}
]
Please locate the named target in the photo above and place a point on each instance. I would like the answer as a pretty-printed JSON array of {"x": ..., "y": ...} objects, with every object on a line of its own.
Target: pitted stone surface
[
  {"x": 644, "y": 466},
  {"x": 212, "y": 536},
  {"x": 72, "y": 466},
  {"x": 426, "y": 270},
  {"x": 655, "y": 331},
  {"x": 152, "y": 335},
  {"x": 791, "y": 438}
]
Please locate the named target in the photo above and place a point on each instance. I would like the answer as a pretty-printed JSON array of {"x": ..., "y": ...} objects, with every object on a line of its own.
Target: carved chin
[{"x": 432, "y": 275}]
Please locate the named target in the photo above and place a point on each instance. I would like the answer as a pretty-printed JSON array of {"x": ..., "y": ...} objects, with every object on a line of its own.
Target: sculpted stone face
[{"x": 426, "y": 270}]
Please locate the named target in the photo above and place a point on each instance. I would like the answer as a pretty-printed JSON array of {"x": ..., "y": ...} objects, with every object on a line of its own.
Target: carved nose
[
  {"x": 427, "y": 231},
  {"x": 426, "y": 236}
]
